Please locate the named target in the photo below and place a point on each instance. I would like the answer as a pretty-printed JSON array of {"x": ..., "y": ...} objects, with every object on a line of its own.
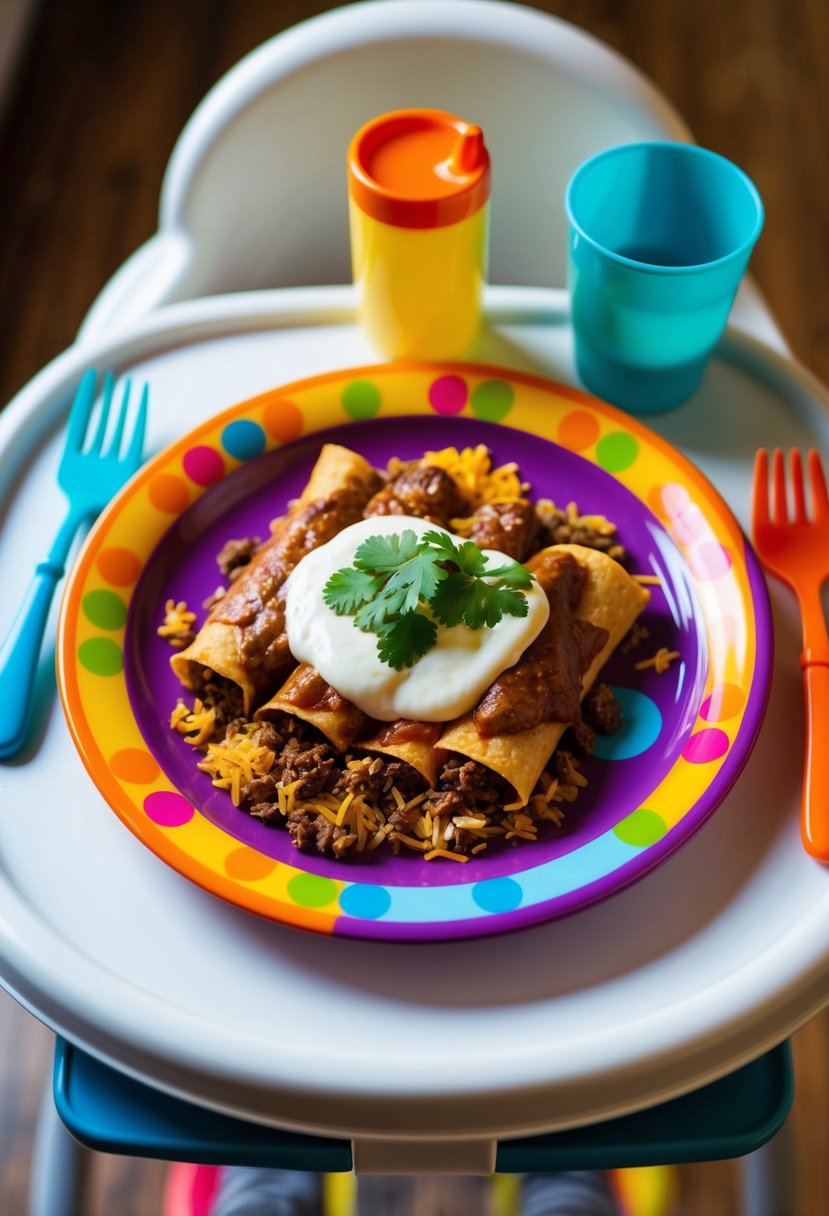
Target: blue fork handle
[{"x": 21, "y": 647}]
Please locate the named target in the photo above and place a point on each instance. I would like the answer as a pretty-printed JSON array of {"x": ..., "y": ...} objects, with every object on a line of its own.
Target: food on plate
[
  {"x": 243, "y": 639},
  {"x": 411, "y": 658}
]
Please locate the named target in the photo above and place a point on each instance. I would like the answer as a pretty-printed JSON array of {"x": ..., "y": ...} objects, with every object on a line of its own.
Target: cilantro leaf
[
  {"x": 475, "y": 603},
  {"x": 405, "y": 639},
  {"x": 371, "y": 616},
  {"x": 466, "y": 556},
  {"x": 417, "y": 577},
  {"x": 379, "y": 554},
  {"x": 514, "y": 575},
  {"x": 450, "y": 601},
  {"x": 505, "y": 601},
  {"x": 347, "y": 589}
]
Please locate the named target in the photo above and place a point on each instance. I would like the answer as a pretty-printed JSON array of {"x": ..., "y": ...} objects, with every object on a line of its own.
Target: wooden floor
[{"x": 102, "y": 93}]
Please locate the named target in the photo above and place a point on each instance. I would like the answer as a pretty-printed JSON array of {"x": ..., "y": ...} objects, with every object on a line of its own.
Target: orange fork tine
[
  {"x": 760, "y": 490},
  {"x": 798, "y": 492},
  {"x": 817, "y": 484},
  {"x": 780, "y": 510}
]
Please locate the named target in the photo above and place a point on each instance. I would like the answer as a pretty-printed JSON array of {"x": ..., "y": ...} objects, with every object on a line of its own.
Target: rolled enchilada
[
  {"x": 243, "y": 639},
  {"x": 609, "y": 602},
  {"x": 306, "y": 695}
]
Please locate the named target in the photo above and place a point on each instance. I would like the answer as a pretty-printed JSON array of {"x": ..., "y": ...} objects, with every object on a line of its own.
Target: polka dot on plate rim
[
  {"x": 365, "y": 901},
  {"x": 283, "y": 420},
  {"x": 203, "y": 465},
  {"x": 690, "y": 526},
  {"x": 120, "y": 567},
  {"x": 497, "y": 894},
  {"x": 311, "y": 890},
  {"x": 616, "y": 451},
  {"x": 723, "y": 702},
  {"x": 135, "y": 765},
  {"x": 706, "y": 745},
  {"x": 710, "y": 561},
  {"x": 641, "y": 828},
  {"x": 101, "y": 656},
  {"x": 448, "y": 394},
  {"x": 492, "y": 400},
  {"x": 361, "y": 400},
  {"x": 243, "y": 439},
  {"x": 104, "y": 609},
  {"x": 578, "y": 430},
  {"x": 168, "y": 809},
  {"x": 247, "y": 865},
  {"x": 168, "y": 493},
  {"x": 669, "y": 500}
]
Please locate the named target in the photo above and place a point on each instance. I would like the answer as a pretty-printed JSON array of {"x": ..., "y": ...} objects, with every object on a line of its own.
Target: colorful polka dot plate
[{"x": 687, "y": 732}]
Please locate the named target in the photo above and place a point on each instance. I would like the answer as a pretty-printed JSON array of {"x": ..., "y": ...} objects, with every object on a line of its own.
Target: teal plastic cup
[{"x": 660, "y": 235}]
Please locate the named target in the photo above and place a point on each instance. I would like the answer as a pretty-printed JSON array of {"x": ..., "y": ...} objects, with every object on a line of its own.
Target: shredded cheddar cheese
[
  {"x": 660, "y": 662},
  {"x": 178, "y": 624},
  {"x": 472, "y": 470}
]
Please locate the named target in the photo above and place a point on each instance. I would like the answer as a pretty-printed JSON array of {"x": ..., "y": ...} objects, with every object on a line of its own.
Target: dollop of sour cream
[{"x": 443, "y": 684}]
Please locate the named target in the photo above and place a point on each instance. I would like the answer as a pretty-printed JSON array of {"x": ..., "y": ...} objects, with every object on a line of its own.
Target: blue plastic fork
[{"x": 89, "y": 479}]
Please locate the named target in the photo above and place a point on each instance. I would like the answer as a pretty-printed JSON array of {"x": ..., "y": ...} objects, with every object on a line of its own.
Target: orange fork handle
[{"x": 814, "y": 821}]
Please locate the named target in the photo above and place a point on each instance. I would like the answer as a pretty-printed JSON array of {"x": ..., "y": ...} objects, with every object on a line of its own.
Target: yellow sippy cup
[{"x": 418, "y": 209}]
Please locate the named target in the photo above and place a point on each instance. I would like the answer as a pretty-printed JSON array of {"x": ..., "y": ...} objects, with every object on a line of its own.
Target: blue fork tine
[
  {"x": 106, "y": 403},
  {"x": 136, "y": 444},
  {"x": 118, "y": 433},
  {"x": 81, "y": 411}
]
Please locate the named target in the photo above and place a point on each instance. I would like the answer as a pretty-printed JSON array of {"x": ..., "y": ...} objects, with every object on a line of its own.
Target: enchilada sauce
[
  {"x": 545, "y": 684},
  {"x": 255, "y": 603}
]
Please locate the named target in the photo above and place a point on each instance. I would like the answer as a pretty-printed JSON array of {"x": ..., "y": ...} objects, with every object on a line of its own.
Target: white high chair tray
[{"x": 704, "y": 964}]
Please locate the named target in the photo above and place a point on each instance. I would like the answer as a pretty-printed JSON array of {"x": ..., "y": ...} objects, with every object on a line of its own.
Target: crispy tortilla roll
[
  {"x": 610, "y": 602},
  {"x": 414, "y": 742},
  {"x": 306, "y": 695},
  {"x": 243, "y": 638}
]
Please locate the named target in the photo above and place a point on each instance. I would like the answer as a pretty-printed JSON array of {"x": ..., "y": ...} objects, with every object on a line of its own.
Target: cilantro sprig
[{"x": 401, "y": 587}]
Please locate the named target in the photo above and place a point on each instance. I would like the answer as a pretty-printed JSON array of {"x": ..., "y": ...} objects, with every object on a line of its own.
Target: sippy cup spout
[{"x": 468, "y": 153}]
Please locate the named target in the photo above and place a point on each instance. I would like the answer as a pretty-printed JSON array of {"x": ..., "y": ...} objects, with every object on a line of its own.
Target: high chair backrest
[{"x": 255, "y": 191}]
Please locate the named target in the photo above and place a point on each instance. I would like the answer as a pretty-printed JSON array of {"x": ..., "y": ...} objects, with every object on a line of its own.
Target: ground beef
[
  {"x": 311, "y": 832},
  {"x": 312, "y": 763},
  {"x": 443, "y": 802},
  {"x": 478, "y": 786},
  {"x": 260, "y": 790},
  {"x": 366, "y": 777},
  {"x": 601, "y": 710},
  {"x": 511, "y": 527},
  {"x": 558, "y": 529},
  {"x": 580, "y": 738},
  {"x": 224, "y": 697},
  {"x": 465, "y": 787},
  {"x": 267, "y": 812},
  {"x": 423, "y": 491},
  {"x": 274, "y": 734},
  {"x": 404, "y": 820},
  {"x": 235, "y": 555},
  {"x": 407, "y": 780}
]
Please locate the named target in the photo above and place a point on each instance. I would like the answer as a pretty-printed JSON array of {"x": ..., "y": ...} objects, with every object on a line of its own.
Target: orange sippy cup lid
[{"x": 418, "y": 168}]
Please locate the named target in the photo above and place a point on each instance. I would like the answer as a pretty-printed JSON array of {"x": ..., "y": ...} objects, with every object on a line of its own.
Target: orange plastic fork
[{"x": 796, "y": 550}]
